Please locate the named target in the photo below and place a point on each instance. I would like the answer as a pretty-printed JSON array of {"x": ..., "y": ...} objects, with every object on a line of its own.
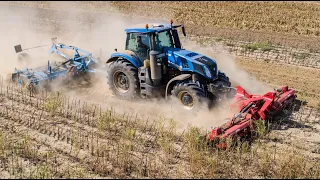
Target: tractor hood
[{"x": 191, "y": 61}]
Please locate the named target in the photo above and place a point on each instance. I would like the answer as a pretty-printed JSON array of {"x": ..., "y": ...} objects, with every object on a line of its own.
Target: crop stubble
[
  {"x": 57, "y": 132},
  {"x": 106, "y": 144}
]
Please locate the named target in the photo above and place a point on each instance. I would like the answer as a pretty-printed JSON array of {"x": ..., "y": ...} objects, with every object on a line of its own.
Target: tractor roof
[{"x": 141, "y": 28}]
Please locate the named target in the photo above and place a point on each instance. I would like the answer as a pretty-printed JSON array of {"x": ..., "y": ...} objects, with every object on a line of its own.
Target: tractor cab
[{"x": 143, "y": 40}]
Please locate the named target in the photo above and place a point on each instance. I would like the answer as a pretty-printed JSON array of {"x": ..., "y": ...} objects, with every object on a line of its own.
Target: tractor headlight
[{"x": 207, "y": 71}]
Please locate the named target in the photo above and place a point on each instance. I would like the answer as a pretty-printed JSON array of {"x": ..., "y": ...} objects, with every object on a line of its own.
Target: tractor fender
[
  {"x": 128, "y": 55},
  {"x": 181, "y": 77}
]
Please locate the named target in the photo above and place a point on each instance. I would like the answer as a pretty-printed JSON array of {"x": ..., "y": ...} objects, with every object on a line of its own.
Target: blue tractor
[{"x": 154, "y": 64}]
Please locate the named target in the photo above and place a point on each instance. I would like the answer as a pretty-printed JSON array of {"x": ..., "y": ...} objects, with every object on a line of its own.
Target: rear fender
[
  {"x": 128, "y": 55},
  {"x": 181, "y": 77}
]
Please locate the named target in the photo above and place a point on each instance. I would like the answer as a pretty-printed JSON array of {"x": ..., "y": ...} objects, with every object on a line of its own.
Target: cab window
[
  {"x": 138, "y": 43},
  {"x": 163, "y": 39}
]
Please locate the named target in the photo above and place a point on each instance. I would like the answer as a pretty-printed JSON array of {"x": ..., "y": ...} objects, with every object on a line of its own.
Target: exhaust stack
[{"x": 155, "y": 67}]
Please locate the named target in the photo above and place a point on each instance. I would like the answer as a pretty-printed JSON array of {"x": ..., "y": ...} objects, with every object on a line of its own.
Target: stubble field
[{"x": 87, "y": 133}]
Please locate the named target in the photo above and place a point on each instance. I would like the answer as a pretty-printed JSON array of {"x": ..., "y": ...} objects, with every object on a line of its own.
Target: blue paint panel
[
  {"x": 185, "y": 60},
  {"x": 135, "y": 61}
]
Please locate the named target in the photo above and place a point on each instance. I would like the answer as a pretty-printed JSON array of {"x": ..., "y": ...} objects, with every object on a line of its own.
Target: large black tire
[
  {"x": 190, "y": 95},
  {"x": 123, "y": 79}
]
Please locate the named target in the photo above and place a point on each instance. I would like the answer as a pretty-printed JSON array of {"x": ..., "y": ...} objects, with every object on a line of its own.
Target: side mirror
[
  {"x": 183, "y": 31},
  {"x": 116, "y": 50}
]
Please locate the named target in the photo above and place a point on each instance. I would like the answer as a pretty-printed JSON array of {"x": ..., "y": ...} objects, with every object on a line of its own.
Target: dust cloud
[
  {"x": 97, "y": 33},
  {"x": 16, "y": 30}
]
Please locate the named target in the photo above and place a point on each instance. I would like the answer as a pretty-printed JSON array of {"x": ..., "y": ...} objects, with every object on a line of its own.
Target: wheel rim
[
  {"x": 121, "y": 82},
  {"x": 186, "y": 99}
]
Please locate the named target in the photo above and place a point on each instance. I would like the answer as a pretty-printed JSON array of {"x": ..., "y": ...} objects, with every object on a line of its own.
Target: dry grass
[
  {"x": 37, "y": 142},
  {"x": 282, "y": 23},
  {"x": 57, "y": 137}
]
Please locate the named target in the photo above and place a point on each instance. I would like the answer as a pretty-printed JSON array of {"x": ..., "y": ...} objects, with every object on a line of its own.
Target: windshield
[{"x": 163, "y": 39}]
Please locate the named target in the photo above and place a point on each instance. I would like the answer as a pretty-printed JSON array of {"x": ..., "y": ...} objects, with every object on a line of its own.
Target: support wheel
[
  {"x": 190, "y": 95},
  {"x": 34, "y": 89},
  {"x": 123, "y": 79}
]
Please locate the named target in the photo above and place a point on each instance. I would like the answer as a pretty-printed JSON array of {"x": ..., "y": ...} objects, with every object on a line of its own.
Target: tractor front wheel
[
  {"x": 189, "y": 94},
  {"x": 123, "y": 79}
]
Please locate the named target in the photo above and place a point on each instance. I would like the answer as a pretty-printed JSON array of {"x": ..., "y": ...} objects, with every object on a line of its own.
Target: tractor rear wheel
[
  {"x": 190, "y": 95},
  {"x": 123, "y": 79}
]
